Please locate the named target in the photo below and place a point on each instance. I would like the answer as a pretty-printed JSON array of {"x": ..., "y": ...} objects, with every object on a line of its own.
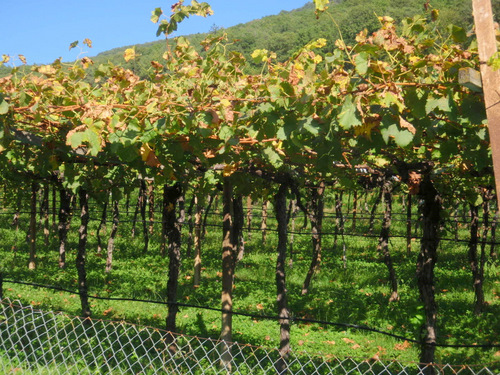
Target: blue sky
[{"x": 42, "y": 30}]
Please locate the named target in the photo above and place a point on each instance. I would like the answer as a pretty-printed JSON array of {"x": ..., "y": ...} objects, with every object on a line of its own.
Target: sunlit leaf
[
  {"x": 321, "y": 5},
  {"x": 362, "y": 63},
  {"x": 156, "y": 14},
  {"x": 129, "y": 54},
  {"x": 73, "y": 45},
  {"x": 4, "y": 107},
  {"x": 87, "y": 42},
  {"x": 273, "y": 157},
  {"x": 349, "y": 115}
]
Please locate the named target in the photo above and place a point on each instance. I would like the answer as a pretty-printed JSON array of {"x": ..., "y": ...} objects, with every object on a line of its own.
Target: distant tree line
[{"x": 288, "y": 31}]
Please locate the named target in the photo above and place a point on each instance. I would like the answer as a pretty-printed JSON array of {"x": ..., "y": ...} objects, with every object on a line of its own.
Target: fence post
[{"x": 408, "y": 225}]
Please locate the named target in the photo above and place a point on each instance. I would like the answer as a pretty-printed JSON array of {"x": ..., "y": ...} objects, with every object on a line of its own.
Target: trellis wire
[{"x": 37, "y": 342}]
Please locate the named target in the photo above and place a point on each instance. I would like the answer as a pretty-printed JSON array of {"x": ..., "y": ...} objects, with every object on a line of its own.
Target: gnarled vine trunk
[
  {"x": 383, "y": 241},
  {"x": 171, "y": 194},
  {"x": 431, "y": 214},
  {"x": 228, "y": 262},
  {"x": 316, "y": 219}
]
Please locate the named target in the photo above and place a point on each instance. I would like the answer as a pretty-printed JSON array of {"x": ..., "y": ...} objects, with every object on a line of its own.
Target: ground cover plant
[{"x": 351, "y": 287}]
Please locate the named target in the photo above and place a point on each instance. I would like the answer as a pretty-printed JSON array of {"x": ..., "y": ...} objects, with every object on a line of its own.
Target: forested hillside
[{"x": 289, "y": 31}]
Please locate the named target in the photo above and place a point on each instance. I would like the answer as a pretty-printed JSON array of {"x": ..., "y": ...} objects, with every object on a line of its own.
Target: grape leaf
[
  {"x": 273, "y": 157},
  {"x": 349, "y": 115}
]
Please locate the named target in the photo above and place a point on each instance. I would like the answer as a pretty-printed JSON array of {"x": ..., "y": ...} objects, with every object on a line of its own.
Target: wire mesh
[{"x": 37, "y": 342}]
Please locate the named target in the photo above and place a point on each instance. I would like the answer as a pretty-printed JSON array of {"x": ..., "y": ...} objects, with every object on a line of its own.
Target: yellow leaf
[
  {"x": 129, "y": 54},
  {"x": 149, "y": 156},
  {"x": 87, "y": 42},
  {"x": 298, "y": 66},
  {"x": 229, "y": 169},
  {"x": 48, "y": 70}
]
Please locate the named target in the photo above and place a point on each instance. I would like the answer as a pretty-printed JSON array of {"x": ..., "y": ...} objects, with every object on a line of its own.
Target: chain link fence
[{"x": 38, "y": 342}]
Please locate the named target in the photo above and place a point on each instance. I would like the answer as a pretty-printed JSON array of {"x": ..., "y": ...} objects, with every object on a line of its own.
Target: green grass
[{"x": 356, "y": 294}]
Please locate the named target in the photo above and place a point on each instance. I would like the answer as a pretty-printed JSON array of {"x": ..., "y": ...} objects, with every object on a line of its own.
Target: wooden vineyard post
[
  {"x": 354, "y": 210},
  {"x": 282, "y": 300},
  {"x": 32, "y": 228},
  {"x": 249, "y": 217},
  {"x": 238, "y": 224},
  {"x": 151, "y": 202},
  {"x": 143, "y": 204},
  {"x": 408, "y": 225},
  {"x": 112, "y": 236},
  {"x": 486, "y": 40},
  {"x": 81, "y": 253},
  {"x": 263, "y": 223},
  {"x": 44, "y": 211},
  {"x": 64, "y": 223},
  {"x": 197, "y": 243},
  {"x": 102, "y": 224}
]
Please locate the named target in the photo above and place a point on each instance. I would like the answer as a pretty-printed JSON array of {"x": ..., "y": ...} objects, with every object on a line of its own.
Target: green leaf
[
  {"x": 94, "y": 142},
  {"x": 439, "y": 103},
  {"x": 309, "y": 125},
  {"x": 155, "y": 15},
  {"x": 391, "y": 99},
  {"x": 458, "y": 34},
  {"x": 4, "y": 107},
  {"x": 89, "y": 137},
  {"x": 403, "y": 138},
  {"x": 288, "y": 89},
  {"x": 415, "y": 101},
  {"x": 281, "y": 134},
  {"x": 349, "y": 115},
  {"x": 73, "y": 45},
  {"x": 273, "y": 157},
  {"x": 321, "y": 5},
  {"x": 265, "y": 107},
  {"x": 361, "y": 61},
  {"x": 225, "y": 132}
]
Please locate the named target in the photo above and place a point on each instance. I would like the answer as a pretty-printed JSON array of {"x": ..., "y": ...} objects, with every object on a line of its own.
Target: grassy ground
[{"x": 354, "y": 291}]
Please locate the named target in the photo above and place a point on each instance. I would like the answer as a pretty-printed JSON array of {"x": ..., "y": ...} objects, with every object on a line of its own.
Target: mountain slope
[{"x": 288, "y": 31}]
